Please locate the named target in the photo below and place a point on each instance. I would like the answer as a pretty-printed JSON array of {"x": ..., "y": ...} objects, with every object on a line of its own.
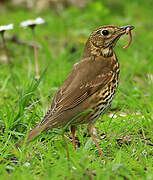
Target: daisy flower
[
  {"x": 6, "y": 27},
  {"x": 2, "y": 32},
  {"x": 32, "y": 22}
]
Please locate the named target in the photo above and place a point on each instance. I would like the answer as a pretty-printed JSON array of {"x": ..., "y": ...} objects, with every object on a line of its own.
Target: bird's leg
[
  {"x": 73, "y": 136},
  {"x": 90, "y": 132}
]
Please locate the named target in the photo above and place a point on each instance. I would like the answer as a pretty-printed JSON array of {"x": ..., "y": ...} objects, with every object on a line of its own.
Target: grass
[{"x": 125, "y": 131}]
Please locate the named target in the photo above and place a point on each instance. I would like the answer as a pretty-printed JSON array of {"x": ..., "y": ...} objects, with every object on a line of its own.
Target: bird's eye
[{"x": 105, "y": 32}]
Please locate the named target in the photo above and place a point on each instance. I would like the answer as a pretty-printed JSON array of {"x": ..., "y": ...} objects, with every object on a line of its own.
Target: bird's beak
[{"x": 124, "y": 28}]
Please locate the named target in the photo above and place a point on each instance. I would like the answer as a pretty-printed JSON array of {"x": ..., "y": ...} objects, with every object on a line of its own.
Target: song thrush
[{"x": 91, "y": 84}]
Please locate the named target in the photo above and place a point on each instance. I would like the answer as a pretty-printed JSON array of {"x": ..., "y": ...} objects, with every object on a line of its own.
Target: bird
[{"x": 91, "y": 85}]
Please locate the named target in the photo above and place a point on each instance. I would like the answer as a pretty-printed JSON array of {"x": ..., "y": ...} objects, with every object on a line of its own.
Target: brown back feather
[{"x": 86, "y": 77}]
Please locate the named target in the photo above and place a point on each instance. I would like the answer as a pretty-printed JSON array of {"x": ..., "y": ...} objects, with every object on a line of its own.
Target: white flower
[
  {"x": 32, "y": 22},
  {"x": 39, "y": 20},
  {"x": 6, "y": 27}
]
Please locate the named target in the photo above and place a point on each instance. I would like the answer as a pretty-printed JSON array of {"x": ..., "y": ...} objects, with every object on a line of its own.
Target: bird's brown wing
[{"x": 86, "y": 78}]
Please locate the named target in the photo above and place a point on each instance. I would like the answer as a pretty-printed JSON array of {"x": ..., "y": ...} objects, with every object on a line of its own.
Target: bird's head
[{"x": 102, "y": 40}]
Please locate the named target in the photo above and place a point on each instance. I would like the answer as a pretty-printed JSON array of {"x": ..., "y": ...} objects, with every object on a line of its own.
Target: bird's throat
[
  {"x": 107, "y": 52},
  {"x": 92, "y": 50}
]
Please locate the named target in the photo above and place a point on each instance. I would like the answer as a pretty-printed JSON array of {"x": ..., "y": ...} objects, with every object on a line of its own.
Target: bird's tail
[
  {"x": 33, "y": 133},
  {"x": 54, "y": 121},
  {"x": 42, "y": 127}
]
